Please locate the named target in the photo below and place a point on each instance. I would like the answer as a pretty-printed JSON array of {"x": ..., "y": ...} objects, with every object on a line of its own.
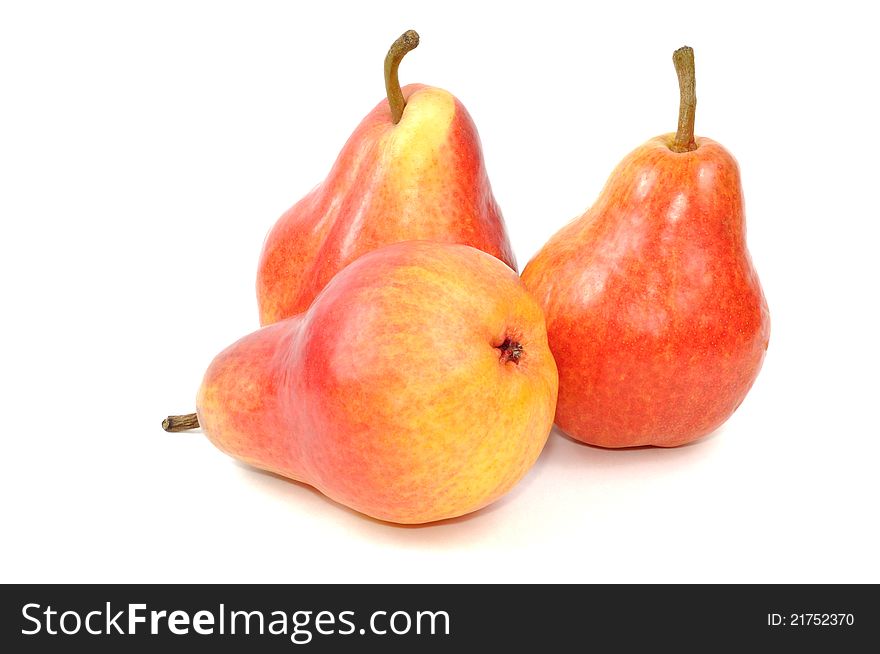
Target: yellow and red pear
[
  {"x": 654, "y": 310},
  {"x": 418, "y": 386},
  {"x": 413, "y": 169}
]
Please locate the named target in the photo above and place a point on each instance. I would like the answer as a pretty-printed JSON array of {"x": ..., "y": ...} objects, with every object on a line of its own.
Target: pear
[
  {"x": 413, "y": 169},
  {"x": 418, "y": 386},
  {"x": 655, "y": 314}
]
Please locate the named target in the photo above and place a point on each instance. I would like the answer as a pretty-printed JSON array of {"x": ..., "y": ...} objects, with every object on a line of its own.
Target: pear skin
[
  {"x": 419, "y": 177},
  {"x": 655, "y": 314},
  {"x": 418, "y": 386}
]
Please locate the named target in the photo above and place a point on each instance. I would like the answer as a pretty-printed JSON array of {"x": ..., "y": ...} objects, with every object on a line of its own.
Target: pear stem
[
  {"x": 181, "y": 423},
  {"x": 683, "y": 58},
  {"x": 406, "y": 42}
]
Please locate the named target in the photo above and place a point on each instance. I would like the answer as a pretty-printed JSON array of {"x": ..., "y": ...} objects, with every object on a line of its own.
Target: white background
[{"x": 148, "y": 147}]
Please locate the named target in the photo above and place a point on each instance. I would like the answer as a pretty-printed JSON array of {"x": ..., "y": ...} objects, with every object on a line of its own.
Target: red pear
[
  {"x": 655, "y": 314},
  {"x": 418, "y": 386},
  {"x": 413, "y": 169}
]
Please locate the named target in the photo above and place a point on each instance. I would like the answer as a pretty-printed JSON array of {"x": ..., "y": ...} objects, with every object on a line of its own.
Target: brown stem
[
  {"x": 181, "y": 423},
  {"x": 406, "y": 42},
  {"x": 683, "y": 58}
]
